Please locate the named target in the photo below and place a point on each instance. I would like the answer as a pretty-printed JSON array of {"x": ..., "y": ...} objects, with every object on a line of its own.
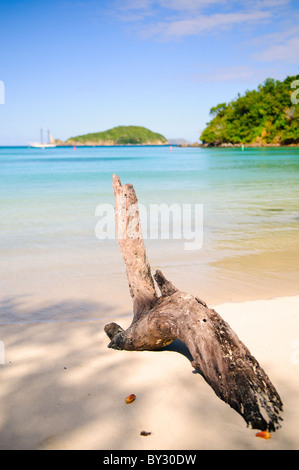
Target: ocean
[{"x": 55, "y": 268}]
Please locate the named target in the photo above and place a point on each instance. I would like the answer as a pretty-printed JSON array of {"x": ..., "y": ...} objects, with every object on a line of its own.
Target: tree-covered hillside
[
  {"x": 120, "y": 135},
  {"x": 264, "y": 116}
]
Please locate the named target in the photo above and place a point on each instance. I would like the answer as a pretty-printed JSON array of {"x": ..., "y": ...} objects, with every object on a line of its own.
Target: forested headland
[{"x": 266, "y": 116}]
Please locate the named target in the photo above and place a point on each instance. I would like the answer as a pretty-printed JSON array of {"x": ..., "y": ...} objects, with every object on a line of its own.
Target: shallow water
[{"x": 49, "y": 249}]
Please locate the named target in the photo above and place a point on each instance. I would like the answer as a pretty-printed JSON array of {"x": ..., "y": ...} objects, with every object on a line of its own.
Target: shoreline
[
  {"x": 230, "y": 145},
  {"x": 64, "y": 389},
  {"x": 193, "y": 145},
  {"x": 89, "y": 146}
]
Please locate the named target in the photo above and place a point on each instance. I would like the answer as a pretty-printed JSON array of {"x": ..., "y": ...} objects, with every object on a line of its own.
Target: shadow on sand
[{"x": 62, "y": 388}]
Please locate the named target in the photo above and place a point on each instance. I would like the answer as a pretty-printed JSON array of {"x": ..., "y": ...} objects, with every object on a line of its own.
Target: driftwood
[{"x": 222, "y": 359}]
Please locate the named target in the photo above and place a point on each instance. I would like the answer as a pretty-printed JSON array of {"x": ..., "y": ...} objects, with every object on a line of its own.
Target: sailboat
[{"x": 51, "y": 142}]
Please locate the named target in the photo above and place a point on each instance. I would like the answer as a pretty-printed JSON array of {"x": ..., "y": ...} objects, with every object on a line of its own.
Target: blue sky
[{"x": 86, "y": 66}]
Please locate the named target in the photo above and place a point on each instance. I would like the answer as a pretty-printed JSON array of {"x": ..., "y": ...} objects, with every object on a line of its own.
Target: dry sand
[{"x": 62, "y": 388}]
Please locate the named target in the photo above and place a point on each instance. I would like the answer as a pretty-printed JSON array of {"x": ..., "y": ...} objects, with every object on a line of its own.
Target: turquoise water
[{"x": 250, "y": 213}]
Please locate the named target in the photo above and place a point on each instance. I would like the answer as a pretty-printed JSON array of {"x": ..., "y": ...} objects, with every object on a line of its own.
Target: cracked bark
[{"x": 222, "y": 359}]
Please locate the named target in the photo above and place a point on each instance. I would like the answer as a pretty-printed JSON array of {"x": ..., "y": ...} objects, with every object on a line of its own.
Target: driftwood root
[{"x": 223, "y": 360}]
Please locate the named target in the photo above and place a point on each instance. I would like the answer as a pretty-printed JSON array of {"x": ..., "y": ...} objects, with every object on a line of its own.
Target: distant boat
[{"x": 42, "y": 145}]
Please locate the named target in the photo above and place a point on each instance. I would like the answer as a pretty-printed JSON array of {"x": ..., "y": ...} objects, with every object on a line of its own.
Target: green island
[
  {"x": 120, "y": 135},
  {"x": 268, "y": 116}
]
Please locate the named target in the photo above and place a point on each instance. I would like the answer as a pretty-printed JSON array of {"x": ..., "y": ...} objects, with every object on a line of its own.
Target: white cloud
[
  {"x": 277, "y": 37},
  {"x": 282, "y": 45},
  {"x": 232, "y": 73},
  {"x": 270, "y": 3},
  {"x": 248, "y": 74},
  {"x": 286, "y": 52},
  {"x": 181, "y": 6},
  {"x": 133, "y": 4},
  {"x": 177, "y": 5},
  {"x": 202, "y": 23},
  {"x": 187, "y": 5},
  {"x": 169, "y": 20}
]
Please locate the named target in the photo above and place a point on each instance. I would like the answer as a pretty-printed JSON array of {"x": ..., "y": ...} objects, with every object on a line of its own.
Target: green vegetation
[
  {"x": 121, "y": 135},
  {"x": 261, "y": 117}
]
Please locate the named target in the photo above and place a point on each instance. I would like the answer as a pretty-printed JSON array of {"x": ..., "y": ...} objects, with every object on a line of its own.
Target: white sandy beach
[{"x": 62, "y": 388}]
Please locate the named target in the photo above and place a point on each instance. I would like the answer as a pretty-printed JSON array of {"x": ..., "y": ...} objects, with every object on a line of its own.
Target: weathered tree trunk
[{"x": 223, "y": 360}]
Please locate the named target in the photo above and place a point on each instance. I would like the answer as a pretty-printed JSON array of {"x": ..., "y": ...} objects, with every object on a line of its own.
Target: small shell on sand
[
  {"x": 263, "y": 434},
  {"x": 130, "y": 398}
]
